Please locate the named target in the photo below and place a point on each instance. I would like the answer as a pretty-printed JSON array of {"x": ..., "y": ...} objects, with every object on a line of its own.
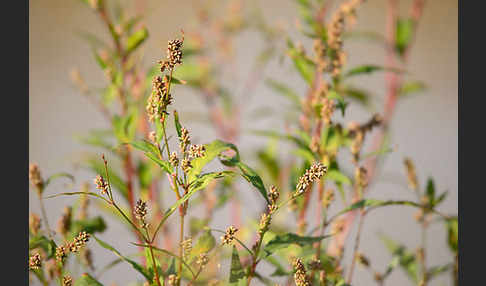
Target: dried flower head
[
  {"x": 101, "y": 184},
  {"x": 362, "y": 260},
  {"x": 34, "y": 223},
  {"x": 300, "y": 277},
  {"x": 79, "y": 241},
  {"x": 158, "y": 100},
  {"x": 184, "y": 139},
  {"x": 327, "y": 198},
  {"x": 64, "y": 221},
  {"x": 196, "y": 151},
  {"x": 35, "y": 262},
  {"x": 229, "y": 236},
  {"x": 174, "y": 55},
  {"x": 67, "y": 280},
  {"x": 315, "y": 172},
  {"x": 315, "y": 265},
  {"x": 360, "y": 176},
  {"x": 140, "y": 212},
  {"x": 411, "y": 174},
  {"x": 35, "y": 176}
]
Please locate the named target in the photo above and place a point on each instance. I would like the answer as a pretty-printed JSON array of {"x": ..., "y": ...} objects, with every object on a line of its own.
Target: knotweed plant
[{"x": 154, "y": 172}]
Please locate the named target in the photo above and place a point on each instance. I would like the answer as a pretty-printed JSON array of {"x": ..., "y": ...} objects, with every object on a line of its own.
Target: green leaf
[
  {"x": 136, "y": 39},
  {"x": 332, "y": 94},
  {"x": 338, "y": 177},
  {"x": 368, "y": 69},
  {"x": 166, "y": 166},
  {"x": 237, "y": 273},
  {"x": 76, "y": 193},
  {"x": 213, "y": 150},
  {"x": 45, "y": 243},
  {"x": 285, "y": 91},
  {"x": 304, "y": 66},
  {"x": 58, "y": 175},
  {"x": 452, "y": 226},
  {"x": 91, "y": 225},
  {"x": 134, "y": 264},
  {"x": 371, "y": 204},
  {"x": 433, "y": 272},
  {"x": 404, "y": 34},
  {"x": 145, "y": 146},
  {"x": 177, "y": 124},
  {"x": 203, "y": 244},
  {"x": 411, "y": 87},
  {"x": 282, "y": 241},
  {"x": 87, "y": 280},
  {"x": 194, "y": 186},
  {"x": 250, "y": 175},
  {"x": 401, "y": 256}
]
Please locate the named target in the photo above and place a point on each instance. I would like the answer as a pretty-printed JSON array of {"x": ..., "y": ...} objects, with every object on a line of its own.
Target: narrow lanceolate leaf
[
  {"x": 282, "y": 241},
  {"x": 177, "y": 124},
  {"x": 195, "y": 186},
  {"x": 213, "y": 150},
  {"x": 203, "y": 244},
  {"x": 368, "y": 69},
  {"x": 87, "y": 280},
  {"x": 404, "y": 34},
  {"x": 166, "y": 166},
  {"x": 134, "y": 264},
  {"x": 249, "y": 174},
  {"x": 136, "y": 39},
  {"x": 237, "y": 273},
  {"x": 371, "y": 204},
  {"x": 58, "y": 175},
  {"x": 76, "y": 193},
  {"x": 145, "y": 146},
  {"x": 401, "y": 257}
]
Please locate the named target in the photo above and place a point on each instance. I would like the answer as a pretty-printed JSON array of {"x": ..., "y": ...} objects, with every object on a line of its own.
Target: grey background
[{"x": 424, "y": 126}]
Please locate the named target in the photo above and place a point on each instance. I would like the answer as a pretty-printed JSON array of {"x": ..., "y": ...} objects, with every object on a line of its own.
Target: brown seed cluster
[
  {"x": 174, "y": 55},
  {"x": 140, "y": 212},
  {"x": 229, "y": 236},
  {"x": 300, "y": 277},
  {"x": 78, "y": 241},
  {"x": 315, "y": 172},
  {"x": 35, "y": 262},
  {"x": 35, "y": 176}
]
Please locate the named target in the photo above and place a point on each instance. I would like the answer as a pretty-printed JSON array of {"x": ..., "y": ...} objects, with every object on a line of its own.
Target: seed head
[
  {"x": 140, "y": 212},
  {"x": 229, "y": 236},
  {"x": 79, "y": 241},
  {"x": 173, "y": 159},
  {"x": 35, "y": 262},
  {"x": 34, "y": 223},
  {"x": 202, "y": 259},
  {"x": 196, "y": 151},
  {"x": 300, "y": 277},
  {"x": 411, "y": 174},
  {"x": 315, "y": 172},
  {"x": 101, "y": 184},
  {"x": 35, "y": 176},
  {"x": 61, "y": 253},
  {"x": 67, "y": 280}
]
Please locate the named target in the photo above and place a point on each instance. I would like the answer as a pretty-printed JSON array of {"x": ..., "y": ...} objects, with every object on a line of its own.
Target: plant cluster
[{"x": 151, "y": 173}]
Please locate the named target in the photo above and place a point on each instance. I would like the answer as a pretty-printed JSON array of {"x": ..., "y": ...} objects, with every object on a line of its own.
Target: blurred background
[{"x": 424, "y": 127}]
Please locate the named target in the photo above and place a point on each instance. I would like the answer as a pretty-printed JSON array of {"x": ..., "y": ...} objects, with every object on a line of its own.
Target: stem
[
  {"x": 179, "y": 271},
  {"x": 356, "y": 245},
  {"x": 44, "y": 214}
]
